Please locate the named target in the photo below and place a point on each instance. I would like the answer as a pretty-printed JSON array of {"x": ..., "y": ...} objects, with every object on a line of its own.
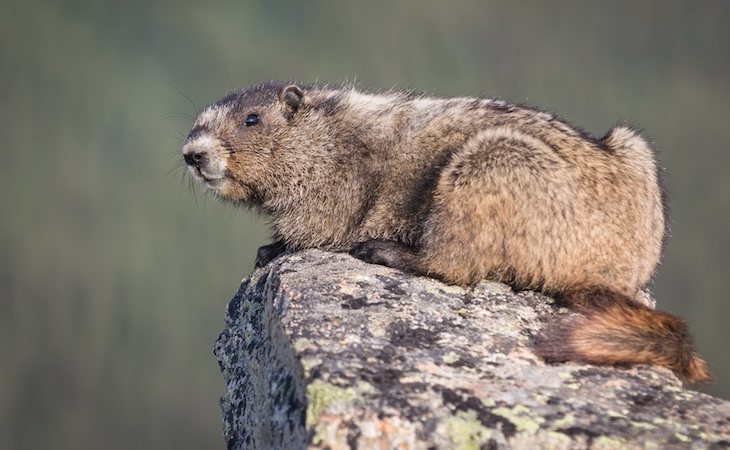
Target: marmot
[{"x": 460, "y": 189}]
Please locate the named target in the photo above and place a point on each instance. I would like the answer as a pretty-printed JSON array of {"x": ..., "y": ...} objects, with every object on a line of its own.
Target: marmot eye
[{"x": 251, "y": 119}]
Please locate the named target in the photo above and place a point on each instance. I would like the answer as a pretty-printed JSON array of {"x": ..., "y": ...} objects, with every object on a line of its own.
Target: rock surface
[{"x": 321, "y": 350}]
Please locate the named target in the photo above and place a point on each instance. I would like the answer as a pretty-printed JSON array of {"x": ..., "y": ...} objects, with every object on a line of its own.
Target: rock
[{"x": 321, "y": 350}]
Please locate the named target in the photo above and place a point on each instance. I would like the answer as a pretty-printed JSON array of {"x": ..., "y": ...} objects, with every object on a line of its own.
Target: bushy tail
[{"x": 614, "y": 329}]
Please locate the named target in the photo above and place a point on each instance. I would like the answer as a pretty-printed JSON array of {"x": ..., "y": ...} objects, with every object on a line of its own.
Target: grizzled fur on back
[{"x": 460, "y": 189}]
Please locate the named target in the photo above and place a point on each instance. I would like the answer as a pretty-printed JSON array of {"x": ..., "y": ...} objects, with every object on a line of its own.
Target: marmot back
[{"x": 459, "y": 189}]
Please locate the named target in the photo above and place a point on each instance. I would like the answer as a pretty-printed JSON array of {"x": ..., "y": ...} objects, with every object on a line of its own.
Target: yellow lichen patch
[
  {"x": 521, "y": 417},
  {"x": 612, "y": 413},
  {"x": 321, "y": 395},
  {"x": 607, "y": 443},
  {"x": 363, "y": 387},
  {"x": 658, "y": 421},
  {"x": 302, "y": 344},
  {"x": 557, "y": 440},
  {"x": 309, "y": 363},
  {"x": 566, "y": 421},
  {"x": 466, "y": 431},
  {"x": 450, "y": 358},
  {"x": 643, "y": 425}
]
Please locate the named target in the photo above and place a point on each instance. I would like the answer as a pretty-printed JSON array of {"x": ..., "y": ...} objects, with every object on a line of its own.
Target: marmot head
[{"x": 246, "y": 145}]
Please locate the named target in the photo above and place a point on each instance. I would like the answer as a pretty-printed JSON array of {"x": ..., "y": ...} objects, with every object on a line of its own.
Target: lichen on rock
[{"x": 321, "y": 350}]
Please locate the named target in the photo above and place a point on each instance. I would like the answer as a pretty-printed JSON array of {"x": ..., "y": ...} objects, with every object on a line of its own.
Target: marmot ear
[{"x": 292, "y": 96}]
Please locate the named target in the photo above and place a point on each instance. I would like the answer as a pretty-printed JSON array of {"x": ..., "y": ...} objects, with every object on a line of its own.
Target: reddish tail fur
[{"x": 614, "y": 329}]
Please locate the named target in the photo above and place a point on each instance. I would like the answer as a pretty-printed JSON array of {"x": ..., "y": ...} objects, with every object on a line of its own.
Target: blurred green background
[{"x": 114, "y": 278}]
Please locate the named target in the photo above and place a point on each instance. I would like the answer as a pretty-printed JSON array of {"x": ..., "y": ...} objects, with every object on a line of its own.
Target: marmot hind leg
[
  {"x": 484, "y": 221},
  {"x": 497, "y": 208}
]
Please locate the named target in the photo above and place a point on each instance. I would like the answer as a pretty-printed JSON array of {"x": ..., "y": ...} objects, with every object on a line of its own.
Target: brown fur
[
  {"x": 460, "y": 189},
  {"x": 614, "y": 329}
]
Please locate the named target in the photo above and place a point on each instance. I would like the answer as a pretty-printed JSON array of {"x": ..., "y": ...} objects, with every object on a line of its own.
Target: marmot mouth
[
  {"x": 210, "y": 181},
  {"x": 213, "y": 183}
]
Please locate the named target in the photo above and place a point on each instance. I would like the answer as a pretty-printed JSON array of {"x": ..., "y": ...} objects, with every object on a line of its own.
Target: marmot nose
[{"x": 194, "y": 158}]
